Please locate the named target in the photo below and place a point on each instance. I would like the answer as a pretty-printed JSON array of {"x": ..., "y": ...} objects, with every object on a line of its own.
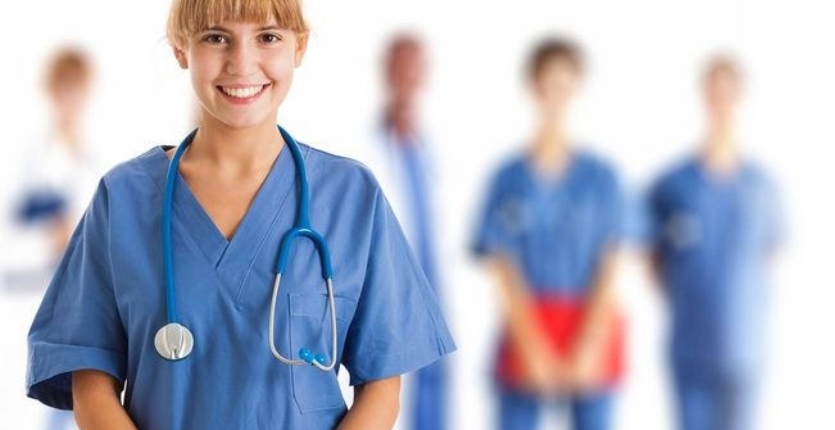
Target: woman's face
[
  {"x": 241, "y": 72},
  {"x": 722, "y": 94},
  {"x": 555, "y": 87}
]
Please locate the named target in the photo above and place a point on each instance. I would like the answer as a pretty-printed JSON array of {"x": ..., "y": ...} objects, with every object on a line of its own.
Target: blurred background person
[
  {"x": 60, "y": 177},
  {"x": 550, "y": 232},
  {"x": 716, "y": 224},
  {"x": 400, "y": 155}
]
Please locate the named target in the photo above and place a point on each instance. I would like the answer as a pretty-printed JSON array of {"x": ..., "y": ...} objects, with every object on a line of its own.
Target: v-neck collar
[
  {"x": 232, "y": 258},
  {"x": 551, "y": 181},
  {"x": 714, "y": 180}
]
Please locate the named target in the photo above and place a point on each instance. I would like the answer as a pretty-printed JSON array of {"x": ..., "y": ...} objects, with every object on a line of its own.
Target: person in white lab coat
[{"x": 400, "y": 156}]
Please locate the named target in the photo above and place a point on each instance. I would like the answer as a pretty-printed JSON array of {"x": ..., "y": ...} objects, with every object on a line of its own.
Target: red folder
[{"x": 560, "y": 320}]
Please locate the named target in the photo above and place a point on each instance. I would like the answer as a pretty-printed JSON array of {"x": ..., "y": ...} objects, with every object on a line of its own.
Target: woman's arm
[
  {"x": 376, "y": 405},
  {"x": 545, "y": 371},
  {"x": 96, "y": 402},
  {"x": 596, "y": 329}
]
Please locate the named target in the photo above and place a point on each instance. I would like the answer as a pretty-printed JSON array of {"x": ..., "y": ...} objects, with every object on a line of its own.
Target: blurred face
[
  {"x": 241, "y": 72},
  {"x": 722, "y": 94},
  {"x": 69, "y": 97},
  {"x": 555, "y": 88},
  {"x": 406, "y": 71}
]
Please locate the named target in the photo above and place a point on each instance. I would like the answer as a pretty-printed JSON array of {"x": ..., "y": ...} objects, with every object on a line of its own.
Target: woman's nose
[{"x": 241, "y": 60}]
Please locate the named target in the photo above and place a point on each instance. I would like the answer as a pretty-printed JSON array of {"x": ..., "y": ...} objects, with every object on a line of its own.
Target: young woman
[
  {"x": 550, "y": 231},
  {"x": 179, "y": 286},
  {"x": 716, "y": 223}
]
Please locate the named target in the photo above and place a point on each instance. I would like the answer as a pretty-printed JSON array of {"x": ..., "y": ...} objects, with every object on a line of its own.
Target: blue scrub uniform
[
  {"x": 106, "y": 300},
  {"x": 712, "y": 239},
  {"x": 555, "y": 230}
]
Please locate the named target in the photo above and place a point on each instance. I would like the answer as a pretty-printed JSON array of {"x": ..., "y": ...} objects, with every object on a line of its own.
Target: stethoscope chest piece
[{"x": 174, "y": 342}]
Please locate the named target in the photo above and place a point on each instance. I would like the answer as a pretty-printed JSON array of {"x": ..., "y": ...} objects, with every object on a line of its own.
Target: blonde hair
[{"x": 189, "y": 17}]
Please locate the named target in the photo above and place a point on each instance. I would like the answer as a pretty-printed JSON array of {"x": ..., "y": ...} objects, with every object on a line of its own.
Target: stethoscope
[{"x": 174, "y": 341}]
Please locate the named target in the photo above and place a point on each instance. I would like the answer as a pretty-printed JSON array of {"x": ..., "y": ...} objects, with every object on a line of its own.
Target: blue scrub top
[
  {"x": 712, "y": 238},
  {"x": 106, "y": 300},
  {"x": 555, "y": 230}
]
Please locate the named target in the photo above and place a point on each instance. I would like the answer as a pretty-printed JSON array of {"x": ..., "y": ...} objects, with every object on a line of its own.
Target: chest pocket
[
  {"x": 310, "y": 327},
  {"x": 514, "y": 216},
  {"x": 682, "y": 230}
]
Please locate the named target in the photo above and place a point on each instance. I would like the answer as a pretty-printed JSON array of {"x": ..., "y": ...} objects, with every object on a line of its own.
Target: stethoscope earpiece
[{"x": 308, "y": 357}]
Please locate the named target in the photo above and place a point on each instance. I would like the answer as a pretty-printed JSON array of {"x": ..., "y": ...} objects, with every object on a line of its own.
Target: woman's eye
[
  {"x": 215, "y": 39},
  {"x": 269, "y": 38}
]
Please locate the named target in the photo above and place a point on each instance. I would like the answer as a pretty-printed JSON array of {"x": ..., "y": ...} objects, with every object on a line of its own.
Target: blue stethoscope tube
[{"x": 174, "y": 341}]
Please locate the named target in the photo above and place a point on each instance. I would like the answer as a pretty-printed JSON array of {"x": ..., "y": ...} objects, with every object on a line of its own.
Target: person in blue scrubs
[
  {"x": 716, "y": 224},
  {"x": 92, "y": 346},
  {"x": 404, "y": 169},
  {"x": 550, "y": 229}
]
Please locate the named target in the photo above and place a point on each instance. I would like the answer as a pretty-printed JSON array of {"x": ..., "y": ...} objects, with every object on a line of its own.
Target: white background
[{"x": 640, "y": 108}]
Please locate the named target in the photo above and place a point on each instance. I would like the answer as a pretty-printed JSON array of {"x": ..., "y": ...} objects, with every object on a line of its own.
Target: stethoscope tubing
[{"x": 301, "y": 228}]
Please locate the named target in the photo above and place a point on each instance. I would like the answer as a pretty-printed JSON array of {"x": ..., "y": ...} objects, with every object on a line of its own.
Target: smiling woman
[
  {"x": 240, "y": 53},
  {"x": 225, "y": 201}
]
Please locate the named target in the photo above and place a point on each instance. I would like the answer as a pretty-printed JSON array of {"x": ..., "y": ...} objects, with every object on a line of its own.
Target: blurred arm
[
  {"x": 653, "y": 266},
  {"x": 96, "y": 402},
  {"x": 596, "y": 329},
  {"x": 376, "y": 405},
  {"x": 543, "y": 367}
]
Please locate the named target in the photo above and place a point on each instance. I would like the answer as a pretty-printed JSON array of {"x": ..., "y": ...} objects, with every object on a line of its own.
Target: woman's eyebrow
[{"x": 226, "y": 30}]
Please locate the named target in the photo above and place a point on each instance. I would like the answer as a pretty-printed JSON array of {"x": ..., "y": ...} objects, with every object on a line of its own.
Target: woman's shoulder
[
  {"x": 327, "y": 166},
  {"x": 593, "y": 161},
  {"x": 510, "y": 167},
  {"x": 149, "y": 166}
]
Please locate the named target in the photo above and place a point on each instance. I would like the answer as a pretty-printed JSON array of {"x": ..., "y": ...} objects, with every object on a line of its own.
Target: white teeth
[{"x": 242, "y": 93}]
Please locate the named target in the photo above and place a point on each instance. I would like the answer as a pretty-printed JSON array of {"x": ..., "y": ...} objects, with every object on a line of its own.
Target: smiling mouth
[{"x": 242, "y": 92}]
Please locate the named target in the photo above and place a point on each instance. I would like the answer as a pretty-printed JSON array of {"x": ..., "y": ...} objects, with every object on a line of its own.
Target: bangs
[{"x": 189, "y": 17}]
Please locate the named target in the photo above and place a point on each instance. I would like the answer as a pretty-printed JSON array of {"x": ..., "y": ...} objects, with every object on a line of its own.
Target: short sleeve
[
  {"x": 77, "y": 325},
  {"x": 398, "y": 326},
  {"x": 493, "y": 235},
  {"x": 614, "y": 226},
  {"x": 651, "y": 217}
]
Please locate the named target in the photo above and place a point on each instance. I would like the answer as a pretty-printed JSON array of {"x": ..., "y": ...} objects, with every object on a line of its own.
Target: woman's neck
[
  {"x": 719, "y": 152},
  {"x": 236, "y": 149},
  {"x": 550, "y": 151}
]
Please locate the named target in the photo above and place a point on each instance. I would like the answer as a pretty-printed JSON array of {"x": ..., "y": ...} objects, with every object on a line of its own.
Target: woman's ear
[
  {"x": 301, "y": 48},
  {"x": 180, "y": 55}
]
